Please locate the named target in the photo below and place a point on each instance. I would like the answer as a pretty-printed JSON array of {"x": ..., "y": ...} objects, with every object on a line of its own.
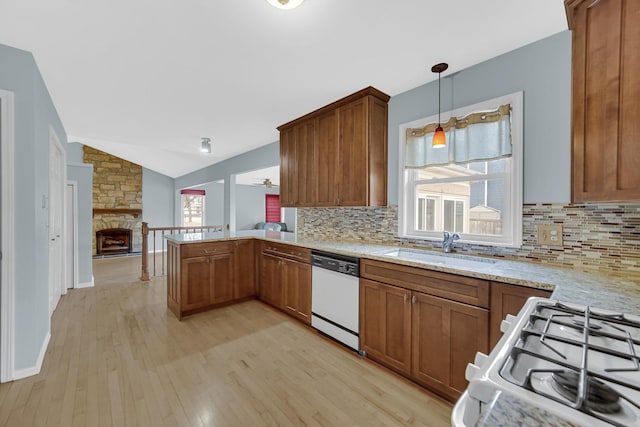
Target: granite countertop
[
  {"x": 612, "y": 291},
  {"x": 508, "y": 410}
]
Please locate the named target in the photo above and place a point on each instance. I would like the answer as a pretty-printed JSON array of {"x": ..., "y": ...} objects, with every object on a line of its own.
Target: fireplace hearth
[{"x": 112, "y": 241}]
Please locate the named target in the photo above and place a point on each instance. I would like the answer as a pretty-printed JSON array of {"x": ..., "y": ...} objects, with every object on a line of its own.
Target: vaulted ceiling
[{"x": 146, "y": 79}]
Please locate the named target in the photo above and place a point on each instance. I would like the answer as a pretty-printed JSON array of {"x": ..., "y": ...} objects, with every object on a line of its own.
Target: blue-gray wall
[
  {"x": 157, "y": 203},
  {"x": 260, "y": 158},
  {"x": 542, "y": 70},
  {"x": 83, "y": 175},
  {"x": 34, "y": 115},
  {"x": 157, "y": 199}
]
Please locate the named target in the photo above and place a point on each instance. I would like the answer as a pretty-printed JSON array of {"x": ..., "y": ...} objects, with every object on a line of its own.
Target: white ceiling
[{"x": 146, "y": 79}]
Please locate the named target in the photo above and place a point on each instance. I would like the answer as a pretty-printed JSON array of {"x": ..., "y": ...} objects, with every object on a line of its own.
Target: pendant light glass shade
[
  {"x": 285, "y": 4},
  {"x": 439, "y": 138}
]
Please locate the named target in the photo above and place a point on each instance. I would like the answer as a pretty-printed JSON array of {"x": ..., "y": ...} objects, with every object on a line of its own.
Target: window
[
  {"x": 272, "y": 208},
  {"x": 192, "y": 207},
  {"x": 474, "y": 185}
]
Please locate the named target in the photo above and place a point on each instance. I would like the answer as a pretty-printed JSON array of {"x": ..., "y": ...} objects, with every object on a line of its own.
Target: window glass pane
[
  {"x": 421, "y": 213},
  {"x": 431, "y": 215},
  {"x": 192, "y": 210},
  {"x": 448, "y": 215},
  {"x": 474, "y": 206},
  {"x": 459, "y": 217}
]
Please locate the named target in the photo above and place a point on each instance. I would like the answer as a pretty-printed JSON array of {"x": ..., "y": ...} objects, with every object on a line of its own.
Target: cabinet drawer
[
  {"x": 288, "y": 251},
  {"x": 200, "y": 249},
  {"x": 450, "y": 286}
]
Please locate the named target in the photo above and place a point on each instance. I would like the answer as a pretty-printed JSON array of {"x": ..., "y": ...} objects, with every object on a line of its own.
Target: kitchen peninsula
[
  {"x": 612, "y": 291},
  {"x": 468, "y": 296}
]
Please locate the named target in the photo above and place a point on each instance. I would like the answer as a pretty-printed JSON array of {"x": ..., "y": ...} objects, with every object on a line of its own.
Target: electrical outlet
[{"x": 550, "y": 235}]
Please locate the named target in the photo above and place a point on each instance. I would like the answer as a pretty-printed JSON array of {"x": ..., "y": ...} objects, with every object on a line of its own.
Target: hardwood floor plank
[{"x": 118, "y": 357}]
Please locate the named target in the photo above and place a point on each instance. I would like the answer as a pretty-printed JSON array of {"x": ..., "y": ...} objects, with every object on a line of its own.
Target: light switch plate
[{"x": 550, "y": 235}]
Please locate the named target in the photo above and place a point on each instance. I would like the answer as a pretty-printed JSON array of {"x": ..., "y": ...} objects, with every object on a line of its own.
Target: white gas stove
[{"x": 577, "y": 363}]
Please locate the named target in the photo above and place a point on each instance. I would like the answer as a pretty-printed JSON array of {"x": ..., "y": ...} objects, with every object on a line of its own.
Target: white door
[
  {"x": 71, "y": 235},
  {"x": 56, "y": 221}
]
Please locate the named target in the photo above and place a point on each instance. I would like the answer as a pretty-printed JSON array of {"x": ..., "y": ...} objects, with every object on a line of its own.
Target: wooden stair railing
[{"x": 154, "y": 232}]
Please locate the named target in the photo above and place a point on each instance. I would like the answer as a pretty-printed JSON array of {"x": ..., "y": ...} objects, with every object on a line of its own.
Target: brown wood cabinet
[
  {"x": 385, "y": 324},
  {"x": 446, "y": 335},
  {"x": 605, "y": 93},
  {"x": 297, "y": 165},
  {"x": 508, "y": 299},
  {"x": 244, "y": 261},
  {"x": 337, "y": 155},
  {"x": 423, "y": 324},
  {"x": 286, "y": 279},
  {"x": 200, "y": 276}
]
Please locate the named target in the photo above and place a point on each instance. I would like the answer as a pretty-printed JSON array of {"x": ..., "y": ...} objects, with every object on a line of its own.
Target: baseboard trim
[
  {"x": 34, "y": 370},
  {"x": 85, "y": 284}
]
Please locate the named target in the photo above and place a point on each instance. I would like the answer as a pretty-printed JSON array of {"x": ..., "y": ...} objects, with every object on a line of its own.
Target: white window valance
[{"x": 483, "y": 135}]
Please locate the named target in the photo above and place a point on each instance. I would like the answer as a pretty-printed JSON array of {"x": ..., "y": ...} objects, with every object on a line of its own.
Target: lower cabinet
[
  {"x": 204, "y": 275},
  {"x": 445, "y": 337},
  {"x": 508, "y": 299},
  {"x": 385, "y": 324},
  {"x": 271, "y": 286},
  {"x": 428, "y": 338},
  {"x": 297, "y": 289},
  {"x": 285, "y": 280},
  {"x": 244, "y": 261}
]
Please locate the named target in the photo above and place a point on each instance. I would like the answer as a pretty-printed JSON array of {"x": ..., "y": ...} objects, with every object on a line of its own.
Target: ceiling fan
[{"x": 267, "y": 183}]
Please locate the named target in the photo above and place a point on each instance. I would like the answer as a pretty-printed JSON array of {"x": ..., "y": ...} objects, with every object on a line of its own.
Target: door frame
[
  {"x": 72, "y": 213},
  {"x": 7, "y": 241},
  {"x": 60, "y": 282}
]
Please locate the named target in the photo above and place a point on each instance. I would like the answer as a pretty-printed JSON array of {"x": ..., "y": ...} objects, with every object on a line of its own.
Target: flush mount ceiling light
[
  {"x": 285, "y": 4},
  {"x": 439, "y": 138},
  {"x": 206, "y": 145}
]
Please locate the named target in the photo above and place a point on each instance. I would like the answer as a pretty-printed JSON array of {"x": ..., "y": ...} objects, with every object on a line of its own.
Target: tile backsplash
[{"x": 602, "y": 236}]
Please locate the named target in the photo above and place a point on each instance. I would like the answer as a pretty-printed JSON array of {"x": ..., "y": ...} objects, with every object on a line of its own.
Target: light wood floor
[{"x": 118, "y": 357}]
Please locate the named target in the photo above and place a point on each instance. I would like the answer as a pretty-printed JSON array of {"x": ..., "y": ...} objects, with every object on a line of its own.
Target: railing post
[{"x": 145, "y": 252}]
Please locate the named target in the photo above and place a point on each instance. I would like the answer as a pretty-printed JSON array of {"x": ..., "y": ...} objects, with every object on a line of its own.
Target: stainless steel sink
[{"x": 431, "y": 257}]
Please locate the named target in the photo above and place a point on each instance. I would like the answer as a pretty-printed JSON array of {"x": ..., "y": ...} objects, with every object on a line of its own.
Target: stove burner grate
[{"x": 600, "y": 397}]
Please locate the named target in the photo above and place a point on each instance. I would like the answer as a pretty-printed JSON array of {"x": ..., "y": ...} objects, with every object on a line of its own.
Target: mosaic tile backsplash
[{"x": 602, "y": 236}]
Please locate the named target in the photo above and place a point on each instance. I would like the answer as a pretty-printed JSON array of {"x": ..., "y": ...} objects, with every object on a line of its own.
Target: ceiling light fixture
[
  {"x": 206, "y": 145},
  {"x": 439, "y": 138},
  {"x": 285, "y": 4}
]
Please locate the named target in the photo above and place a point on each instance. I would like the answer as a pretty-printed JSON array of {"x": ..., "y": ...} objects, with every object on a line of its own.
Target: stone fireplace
[
  {"x": 112, "y": 241},
  {"x": 117, "y": 201}
]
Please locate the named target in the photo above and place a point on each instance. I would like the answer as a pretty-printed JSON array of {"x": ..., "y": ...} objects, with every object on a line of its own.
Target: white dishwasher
[{"x": 335, "y": 296}]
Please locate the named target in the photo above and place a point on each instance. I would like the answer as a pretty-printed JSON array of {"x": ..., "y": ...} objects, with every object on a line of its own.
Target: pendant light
[
  {"x": 439, "y": 138},
  {"x": 206, "y": 145},
  {"x": 285, "y": 4}
]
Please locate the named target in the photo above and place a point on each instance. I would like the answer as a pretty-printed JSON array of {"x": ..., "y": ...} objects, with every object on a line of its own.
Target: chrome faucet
[{"x": 447, "y": 243}]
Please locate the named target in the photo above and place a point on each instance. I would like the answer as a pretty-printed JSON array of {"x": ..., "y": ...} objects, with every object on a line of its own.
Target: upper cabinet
[
  {"x": 337, "y": 155},
  {"x": 605, "y": 92}
]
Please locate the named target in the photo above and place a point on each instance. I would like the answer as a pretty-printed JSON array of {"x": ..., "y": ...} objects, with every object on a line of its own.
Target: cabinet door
[
  {"x": 385, "y": 324},
  {"x": 195, "y": 279},
  {"x": 508, "y": 299},
  {"x": 297, "y": 289},
  {"x": 222, "y": 286},
  {"x": 327, "y": 159},
  {"x": 606, "y": 89},
  {"x": 353, "y": 154},
  {"x": 446, "y": 337},
  {"x": 288, "y": 170},
  {"x": 305, "y": 168},
  {"x": 271, "y": 289},
  {"x": 244, "y": 268}
]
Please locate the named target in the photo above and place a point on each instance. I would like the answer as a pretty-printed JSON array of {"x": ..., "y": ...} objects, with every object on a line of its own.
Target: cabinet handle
[
  {"x": 208, "y": 251},
  {"x": 406, "y": 297},
  {"x": 593, "y": 4},
  {"x": 413, "y": 299}
]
